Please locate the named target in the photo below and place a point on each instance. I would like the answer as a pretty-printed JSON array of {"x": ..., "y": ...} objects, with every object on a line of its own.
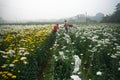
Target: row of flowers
[
  {"x": 99, "y": 50},
  {"x": 17, "y": 48},
  {"x": 88, "y": 52}
]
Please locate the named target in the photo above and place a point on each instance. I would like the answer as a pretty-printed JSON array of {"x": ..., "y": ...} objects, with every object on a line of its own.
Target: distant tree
[
  {"x": 118, "y": 7},
  {"x": 99, "y": 17},
  {"x": 115, "y": 17},
  {"x": 106, "y": 18},
  {"x": 116, "y": 14}
]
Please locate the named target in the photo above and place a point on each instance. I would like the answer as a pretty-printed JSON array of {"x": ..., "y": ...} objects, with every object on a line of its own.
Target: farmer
[
  {"x": 55, "y": 28},
  {"x": 66, "y": 25}
]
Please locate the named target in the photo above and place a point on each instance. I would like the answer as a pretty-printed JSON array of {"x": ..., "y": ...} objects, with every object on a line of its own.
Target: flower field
[
  {"x": 18, "y": 48},
  {"x": 85, "y": 52}
]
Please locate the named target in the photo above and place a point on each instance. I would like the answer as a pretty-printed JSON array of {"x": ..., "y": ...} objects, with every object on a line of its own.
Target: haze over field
[{"x": 53, "y": 9}]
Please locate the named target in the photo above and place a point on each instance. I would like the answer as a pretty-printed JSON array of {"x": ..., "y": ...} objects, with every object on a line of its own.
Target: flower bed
[
  {"x": 19, "y": 53},
  {"x": 87, "y": 52}
]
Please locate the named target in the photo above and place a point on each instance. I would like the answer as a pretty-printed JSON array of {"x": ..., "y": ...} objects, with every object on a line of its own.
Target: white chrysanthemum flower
[
  {"x": 23, "y": 58},
  {"x": 50, "y": 48},
  {"x": 55, "y": 57},
  {"x": 5, "y": 56},
  {"x": 8, "y": 53},
  {"x": 72, "y": 63},
  {"x": 61, "y": 53},
  {"x": 68, "y": 40},
  {"x": 108, "y": 54},
  {"x": 11, "y": 65},
  {"x": 25, "y": 62},
  {"x": 63, "y": 47},
  {"x": 73, "y": 51},
  {"x": 66, "y": 35},
  {"x": 26, "y": 53},
  {"x": 118, "y": 54},
  {"x": 3, "y": 52},
  {"x": 81, "y": 54},
  {"x": 113, "y": 56},
  {"x": 94, "y": 38},
  {"x": 75, "y": 77},
  {"x": 22, "y": 48},
  {"x": 91, "y": 65},
  {"x": 79, "y": 73},
  {"x": 12, "y": 51},
  {"x": 77, "y": 34},
  {"x": 99, "y": 73},
  {"x": 73, "y": 43},
  {"x": 67, "y": 50},
  {"x": 55, "y": 45},
  {"x": 20, "y": 54},
  {"x": 90, "y": 45},
  {"x": 21, "y": 51}
]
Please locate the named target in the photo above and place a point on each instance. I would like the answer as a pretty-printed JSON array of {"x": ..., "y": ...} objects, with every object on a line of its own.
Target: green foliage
[
  {"x": 115, "y": 17},
  {"x": 62, "y": 69},
  {"x": 42, "y": 52}
]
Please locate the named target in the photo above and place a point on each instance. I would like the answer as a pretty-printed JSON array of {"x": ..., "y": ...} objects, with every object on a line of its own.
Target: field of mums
[
  {"x": 86, "y": 52},
  {"x": 35, "y": 52},
  {"x": 23, "y": 50}
]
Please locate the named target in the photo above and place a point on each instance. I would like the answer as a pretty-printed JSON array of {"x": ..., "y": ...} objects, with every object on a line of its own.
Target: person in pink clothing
[
  {"x": 66, "y": 25},
  {"x": 55, "y": 27}
]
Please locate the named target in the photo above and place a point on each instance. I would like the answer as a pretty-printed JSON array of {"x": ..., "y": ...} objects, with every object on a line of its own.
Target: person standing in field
[
  {"x": 55, "y": 27},
  {"x": 66, "y": 25}
]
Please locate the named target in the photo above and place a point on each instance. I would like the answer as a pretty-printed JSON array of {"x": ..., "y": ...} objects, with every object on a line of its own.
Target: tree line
[{"x": 113, "y": 18}]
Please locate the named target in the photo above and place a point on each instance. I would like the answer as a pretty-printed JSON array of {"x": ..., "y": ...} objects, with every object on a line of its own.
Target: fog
[{"x": 53, "y": 9}]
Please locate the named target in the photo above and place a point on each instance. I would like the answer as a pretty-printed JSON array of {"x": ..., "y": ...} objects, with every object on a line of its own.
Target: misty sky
[{"x": 53, "y": 9}]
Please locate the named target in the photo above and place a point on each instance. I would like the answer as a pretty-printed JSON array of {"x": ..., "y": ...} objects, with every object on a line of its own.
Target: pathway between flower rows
[{"x": 63, "y": 62}]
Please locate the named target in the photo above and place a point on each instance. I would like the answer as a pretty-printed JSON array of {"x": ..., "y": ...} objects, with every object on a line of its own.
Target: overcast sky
[{"x": 53, "y": 9}]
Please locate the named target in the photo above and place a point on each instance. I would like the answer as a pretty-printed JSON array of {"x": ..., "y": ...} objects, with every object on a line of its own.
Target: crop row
[
  {"x": 23, "y": 51},
  {"x": 87, "y": 52}
]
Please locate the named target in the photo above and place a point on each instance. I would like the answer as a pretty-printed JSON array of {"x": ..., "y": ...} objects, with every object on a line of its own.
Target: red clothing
[{"x": 55, "y": 27}]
